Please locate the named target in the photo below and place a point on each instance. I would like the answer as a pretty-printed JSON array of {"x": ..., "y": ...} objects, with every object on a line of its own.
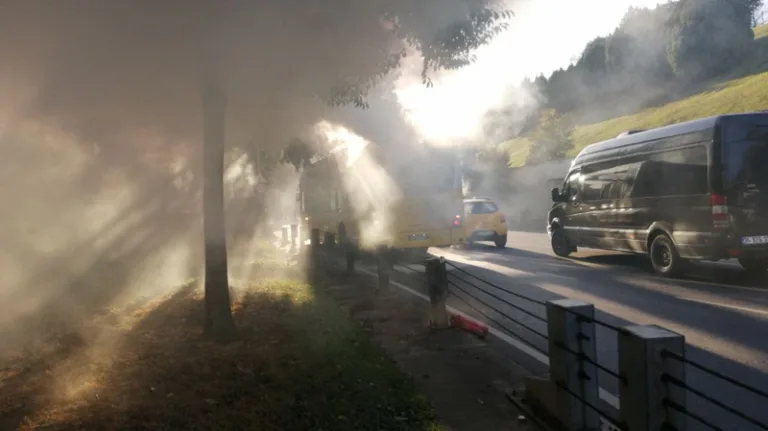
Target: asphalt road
[{"x": 722, "y": 313}]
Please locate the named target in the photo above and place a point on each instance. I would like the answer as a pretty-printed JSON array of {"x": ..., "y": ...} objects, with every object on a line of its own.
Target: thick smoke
[{"x": 100, "y": 133}]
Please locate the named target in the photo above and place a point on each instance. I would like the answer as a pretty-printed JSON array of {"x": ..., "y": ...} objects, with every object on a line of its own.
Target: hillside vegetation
[{"x": 743, "y": 89}]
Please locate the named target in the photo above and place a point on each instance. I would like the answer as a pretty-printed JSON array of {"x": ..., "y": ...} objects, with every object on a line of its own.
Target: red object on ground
[{"x": 476, "y": 328}]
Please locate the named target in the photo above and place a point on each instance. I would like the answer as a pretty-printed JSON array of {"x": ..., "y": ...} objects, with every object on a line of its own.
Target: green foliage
[
  {"x": 446, "y": 40},
  {"x": 709, "y": 36},
  {"x": 492, "y": 156},
  {"x": 593, "y": 58},
  {"x": 738, "y": 95},
  {"x": 637, "y": 49},
  {"x": 552, "y": 139},
  {"x": 651, "y": 53}
]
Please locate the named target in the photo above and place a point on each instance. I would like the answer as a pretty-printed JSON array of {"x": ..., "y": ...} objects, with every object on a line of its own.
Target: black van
[{"x": 691, "y": 191}]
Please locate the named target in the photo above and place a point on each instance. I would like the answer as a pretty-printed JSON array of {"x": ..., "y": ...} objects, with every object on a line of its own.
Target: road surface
[{"x": 723, "y": 314}]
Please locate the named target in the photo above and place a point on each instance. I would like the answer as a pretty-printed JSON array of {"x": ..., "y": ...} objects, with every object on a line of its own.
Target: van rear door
[{"x": 745, "y": 179}]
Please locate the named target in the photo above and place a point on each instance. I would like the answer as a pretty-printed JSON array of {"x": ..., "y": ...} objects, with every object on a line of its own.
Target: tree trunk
[{"x": 218, "y": 310}]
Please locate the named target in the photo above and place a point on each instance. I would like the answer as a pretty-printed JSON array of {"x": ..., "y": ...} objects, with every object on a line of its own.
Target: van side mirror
[{"x": 556, "y": 195}]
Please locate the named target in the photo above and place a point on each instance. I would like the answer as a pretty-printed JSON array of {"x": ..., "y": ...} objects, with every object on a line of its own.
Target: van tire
[
  {"x": 665, "y": 259},
  {"x": 754, "y": 266},
  {"x": 500, "y": 241},
  {"x": 561, "y": 245}
]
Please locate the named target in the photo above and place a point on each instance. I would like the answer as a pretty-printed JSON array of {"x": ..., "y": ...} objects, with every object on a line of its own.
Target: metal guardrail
[{"x": 653, "y": 392}]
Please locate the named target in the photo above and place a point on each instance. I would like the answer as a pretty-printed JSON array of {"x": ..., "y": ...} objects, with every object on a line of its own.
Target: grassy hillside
[
  {"x": 742, "y": 94},
  {"x": 761, "y": 31}
]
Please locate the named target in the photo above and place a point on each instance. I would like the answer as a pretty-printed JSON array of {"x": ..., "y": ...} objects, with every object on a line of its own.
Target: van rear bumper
[{"x": 721, "y": 247}]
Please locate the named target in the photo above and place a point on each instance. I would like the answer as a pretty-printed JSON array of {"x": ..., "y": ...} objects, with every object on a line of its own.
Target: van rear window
[{"x": 746, "y": 161}]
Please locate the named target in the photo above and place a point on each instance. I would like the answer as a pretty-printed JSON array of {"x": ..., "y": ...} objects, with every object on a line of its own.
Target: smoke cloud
[{"x": 100, "y": 134}]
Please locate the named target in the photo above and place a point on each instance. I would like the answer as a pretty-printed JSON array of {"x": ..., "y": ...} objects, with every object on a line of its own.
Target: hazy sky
[{"x": 543, "y": 36}]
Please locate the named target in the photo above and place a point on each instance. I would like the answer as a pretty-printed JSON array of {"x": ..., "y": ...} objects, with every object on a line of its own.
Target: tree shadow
[
  {"x": 89, "y": 275},
  {"x": 297, "y": 363},
  {"x": 139, "y": 249}
]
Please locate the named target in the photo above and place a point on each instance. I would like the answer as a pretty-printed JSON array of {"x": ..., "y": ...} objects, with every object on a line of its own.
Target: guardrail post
[
  {"x": 329, "y": 240},
  {"x": 383, "y": 267},
  {"x": 571, "y": 331},
  {"x": 437, "y": 278},
  {"x": 294, "y": 236},
  {"x": 314, "y": 240},
  {"x": 313, "y": 256},
  {"x": 350, "y": 252},
  {"x": 642, "y": 365},
  {"x": 284, "y": 236}
]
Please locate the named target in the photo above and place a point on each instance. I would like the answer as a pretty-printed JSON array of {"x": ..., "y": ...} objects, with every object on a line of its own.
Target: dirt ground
[
  {"x": 297, "y": 363},
  {"x": 464, "y": 378}
]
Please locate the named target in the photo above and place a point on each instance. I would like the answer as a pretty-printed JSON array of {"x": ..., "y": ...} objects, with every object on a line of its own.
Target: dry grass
[{"x": 297, "y": 364}]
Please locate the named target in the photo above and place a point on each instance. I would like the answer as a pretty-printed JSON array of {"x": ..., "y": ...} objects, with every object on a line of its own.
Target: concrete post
[
  {"x": 284, "y": 236},
  {"x": 383, "y": 267},
  {"x": 642, "y": 365},
  {"x": 437, "y": 279},
  {"x": 314, "y": 240},
  {"x": 570, "y": 334}
]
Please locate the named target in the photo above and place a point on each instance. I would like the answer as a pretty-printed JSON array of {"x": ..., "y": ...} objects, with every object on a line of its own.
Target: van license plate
[
  {"x": 754, "y": 240},
  {"x": 418, "y": 237}
]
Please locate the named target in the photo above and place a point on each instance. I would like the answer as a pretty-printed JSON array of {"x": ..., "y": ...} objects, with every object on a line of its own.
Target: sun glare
[{"x": 543, "y": 36}]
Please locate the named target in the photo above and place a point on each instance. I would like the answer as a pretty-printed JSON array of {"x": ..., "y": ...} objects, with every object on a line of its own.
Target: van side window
[
  {"x": 673, "y": 173},
  {"x": 571, "y": 186},
  {"x": 608, "y": 181}
]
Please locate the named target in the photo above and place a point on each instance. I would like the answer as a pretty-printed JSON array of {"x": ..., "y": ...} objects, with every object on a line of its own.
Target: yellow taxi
[{"x": 483, "y": 221}]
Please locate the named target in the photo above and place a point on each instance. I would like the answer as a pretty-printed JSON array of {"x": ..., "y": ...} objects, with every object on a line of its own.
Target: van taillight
[
  {"x": 457, "y": 220},
  {"x": 720, "y": 218},
  {"x": 502, "y": 219}
]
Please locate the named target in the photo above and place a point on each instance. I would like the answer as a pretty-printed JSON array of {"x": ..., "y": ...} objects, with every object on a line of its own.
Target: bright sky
[{"x": 543, "y": 36}]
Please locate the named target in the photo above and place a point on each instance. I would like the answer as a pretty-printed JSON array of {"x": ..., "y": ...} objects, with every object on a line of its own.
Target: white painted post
[
  {"x": 642, "y": 365},
  {"x": 571, "y": 331}
]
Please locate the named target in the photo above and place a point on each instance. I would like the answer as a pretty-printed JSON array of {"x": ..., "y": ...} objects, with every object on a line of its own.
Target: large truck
[{"x": 405, "y": 200}]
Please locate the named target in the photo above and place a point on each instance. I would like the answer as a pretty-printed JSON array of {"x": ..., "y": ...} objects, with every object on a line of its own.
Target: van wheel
[
  {"x": 754, "y": 266},
  {"x": 501, "y": 241},
  {"x": 664, "y": 257},
  {"x": 561, "y": 245}
]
